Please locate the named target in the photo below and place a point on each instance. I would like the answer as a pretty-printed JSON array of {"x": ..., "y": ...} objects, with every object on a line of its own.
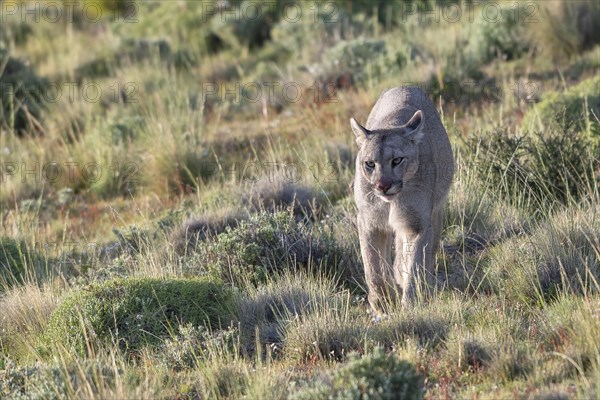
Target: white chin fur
[{"x": 387, "y": 198}]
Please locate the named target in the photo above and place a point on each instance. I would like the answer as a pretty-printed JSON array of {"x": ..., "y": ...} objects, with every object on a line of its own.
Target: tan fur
[{"x": 404, "y": 169}]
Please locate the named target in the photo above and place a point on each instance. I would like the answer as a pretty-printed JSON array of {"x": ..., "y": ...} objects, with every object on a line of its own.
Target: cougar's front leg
[
  {"x": 415, "y": 262},
  {"x": 438, "y": 225},
  {"x": 375, "y": 248}
]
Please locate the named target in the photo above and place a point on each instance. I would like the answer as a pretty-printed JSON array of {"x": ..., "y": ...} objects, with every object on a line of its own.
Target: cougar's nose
[{"x": 383, "y": 186}]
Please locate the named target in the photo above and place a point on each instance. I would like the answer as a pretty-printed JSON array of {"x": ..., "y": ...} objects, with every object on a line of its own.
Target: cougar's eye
[
  {"x": 397, "y": 160},
  {"x": 370, "y": 164}
]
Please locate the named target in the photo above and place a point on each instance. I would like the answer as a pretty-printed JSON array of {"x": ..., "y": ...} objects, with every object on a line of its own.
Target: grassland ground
[{"x": 177, "y": 220}]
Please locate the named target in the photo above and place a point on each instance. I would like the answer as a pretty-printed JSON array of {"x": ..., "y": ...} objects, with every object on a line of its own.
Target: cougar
[{"x": 404, "y": 169}]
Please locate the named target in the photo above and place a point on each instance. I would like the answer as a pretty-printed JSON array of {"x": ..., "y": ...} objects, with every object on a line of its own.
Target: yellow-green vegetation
[
  {"x": 16, "y": 263},
  {"x": 135, "y": 312},
  {"x": 579, "y": 106},
  {"x": 374, "y": 376},
  {"x": 267, "y": 244},
  {"x": 177, "y": 222}
]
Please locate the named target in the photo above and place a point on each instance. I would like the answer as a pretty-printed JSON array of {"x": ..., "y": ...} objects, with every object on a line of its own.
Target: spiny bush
[
  {"x": 374, "y": 376},
  {"x": 135, "y": 312},
  {"x": 267, "y": 243},
  {"x": 21, "y": 98}
]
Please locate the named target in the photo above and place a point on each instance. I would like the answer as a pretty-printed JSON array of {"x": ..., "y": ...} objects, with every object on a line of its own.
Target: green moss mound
[
  {"x": 575, "y": 107},
  {"x": 376, "y": 376},
  {"x": 135, "y": 312}
]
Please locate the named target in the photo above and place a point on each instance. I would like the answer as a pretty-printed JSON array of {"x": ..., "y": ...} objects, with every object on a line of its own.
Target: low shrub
[
  {"x": 374, "y": 376},
  {"x": 31, "y": 382},
  {"x": 502, "y": 39},
  {"x": 192, "y": 232},
  {"x": 268, "y": 243},
  {"x": 186, "y": 349},
  {"x": 367, "y": 60},
  {"x": 135, "y": 312},
  {"x": 54, "y": 382}
]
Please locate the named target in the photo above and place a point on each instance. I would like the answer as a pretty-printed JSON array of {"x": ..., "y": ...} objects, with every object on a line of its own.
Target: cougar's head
[{"x": 389, "y": 158}]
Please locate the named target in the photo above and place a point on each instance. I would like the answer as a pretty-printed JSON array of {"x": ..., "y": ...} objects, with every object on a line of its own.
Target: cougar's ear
[
  {"x": 414, "y": 127},
  {"x": 360, "y": 132}
]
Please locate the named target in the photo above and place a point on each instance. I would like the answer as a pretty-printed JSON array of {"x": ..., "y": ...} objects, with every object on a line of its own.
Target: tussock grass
[
  {"x": 560, "y": 255},
  {"x": 25, "y": 314},
  {"x": 257, "y": 195},
  {"x": 265, "y": 311}
]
